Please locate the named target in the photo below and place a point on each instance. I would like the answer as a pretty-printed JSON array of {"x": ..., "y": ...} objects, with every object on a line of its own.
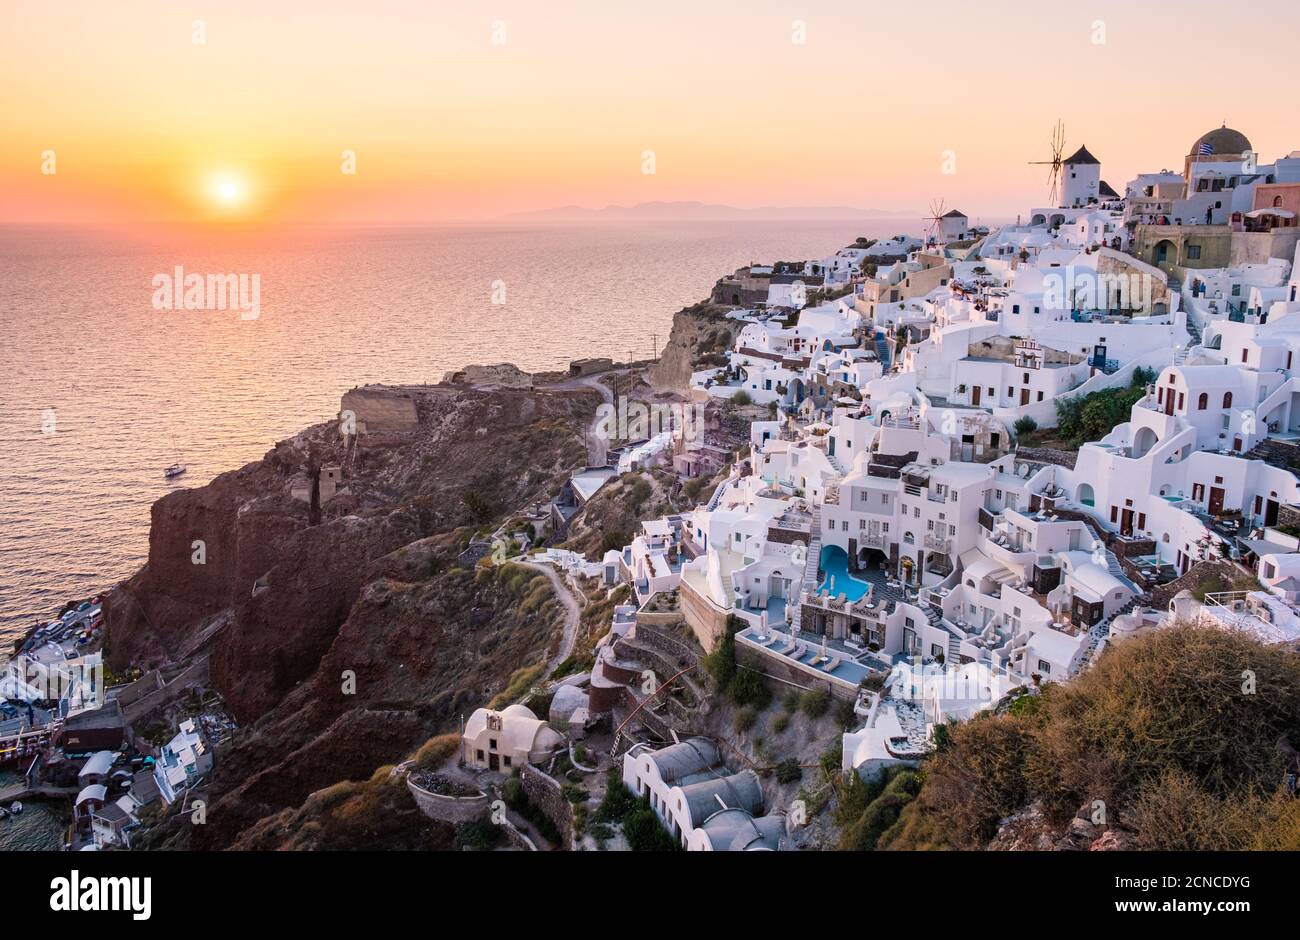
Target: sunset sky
[{"x": 251, "y": 125}]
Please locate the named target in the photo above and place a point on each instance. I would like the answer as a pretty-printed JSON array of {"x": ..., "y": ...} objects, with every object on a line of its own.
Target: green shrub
[
  {"x": 748, "y": 688},
  {"x": 618, "y": 800},
  {"x": 845, "y": 716},
  {"x": 645, "y": 833},
  {"x": 1025, "y": 425},
  {"x": 477, "y": 835},
  {"x": 788, "y": 771},
  {"x": 721, "y": 663},
  {"x": 744, "y": 719},
  {"x": 742, "y": 398},
  {"x": 815, "y": 702}
]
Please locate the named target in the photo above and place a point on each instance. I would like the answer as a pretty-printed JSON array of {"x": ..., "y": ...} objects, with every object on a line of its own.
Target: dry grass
[
  {"x": 520, "y": 682},
  {"x": 434, "y": 752},
  {"x": 1165, "y": 729}
]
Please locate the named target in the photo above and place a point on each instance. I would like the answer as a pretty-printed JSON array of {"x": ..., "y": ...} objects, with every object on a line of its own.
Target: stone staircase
[
  {"x": 953, "y": 656},
  {"x": 811, "y": 563},
  {"x": 882, "y": 350},
  {"x": 1194, "y": 339},
  {"x": 1099, "y": 633},
  {"x": 931, "y": 614}
]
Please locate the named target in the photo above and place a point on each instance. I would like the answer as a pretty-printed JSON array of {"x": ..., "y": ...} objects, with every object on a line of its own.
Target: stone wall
[
  {"x": 380, "y": 410},
  {"x": 662, "y": 640},
  {"x": 1062, "y": 458},
  {"x": 706, "y": 620},
  {"x": 196, "y": 675},
  {"x": 449, "y": 809},
  {"x": 1228, "y": 571},
  {"x": 788, "y": 673},
  {"x": 546, "y": 793}
]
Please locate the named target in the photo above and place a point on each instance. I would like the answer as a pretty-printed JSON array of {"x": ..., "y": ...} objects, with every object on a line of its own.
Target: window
[
  {"x": 1040, "y": 396},
  {"x": 479, "y": 753},
  {"x": 1044, "y": 666},
  {"x": 1193, "y": 252},
  {"x": 506, "y": 760},
  {"x": 936, "y": 650},
  {"x": 1203, "y": 402},
  {"x": 492, "y": 743},
  {"x": 1227, "y": 399}
]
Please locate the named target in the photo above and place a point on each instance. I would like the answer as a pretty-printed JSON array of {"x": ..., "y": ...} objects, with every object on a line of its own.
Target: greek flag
[{"x": 1205, "y": 149}]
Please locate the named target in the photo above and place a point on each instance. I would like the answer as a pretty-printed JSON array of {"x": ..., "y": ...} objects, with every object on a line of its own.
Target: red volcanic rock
[{"x": 290, "y": 599}]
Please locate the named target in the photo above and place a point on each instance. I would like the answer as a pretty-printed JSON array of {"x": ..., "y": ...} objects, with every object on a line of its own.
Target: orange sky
[{"x": 445, "y": 124}]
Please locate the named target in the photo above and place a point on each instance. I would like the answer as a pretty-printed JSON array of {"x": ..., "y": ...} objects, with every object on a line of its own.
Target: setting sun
[{"x": 228, "y": 191}]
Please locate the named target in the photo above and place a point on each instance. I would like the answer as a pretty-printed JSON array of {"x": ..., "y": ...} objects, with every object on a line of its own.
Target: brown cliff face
[
  {"x": 698, "y": 333},
  {"x": 374, "y": 590}
]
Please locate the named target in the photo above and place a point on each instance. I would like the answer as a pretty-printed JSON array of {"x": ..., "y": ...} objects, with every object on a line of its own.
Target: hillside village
[{"x": 900, "y": 486}]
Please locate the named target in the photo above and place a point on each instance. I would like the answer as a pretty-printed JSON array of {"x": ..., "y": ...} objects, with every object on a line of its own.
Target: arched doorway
[{"x": 1143, "y": 441}]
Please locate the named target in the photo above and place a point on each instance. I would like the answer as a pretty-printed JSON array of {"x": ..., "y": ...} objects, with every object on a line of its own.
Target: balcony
[{"x": 937, "y": 544}]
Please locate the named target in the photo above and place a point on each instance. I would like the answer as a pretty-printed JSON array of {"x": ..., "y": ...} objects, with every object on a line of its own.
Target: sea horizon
[{"x": 77, "y": 520}]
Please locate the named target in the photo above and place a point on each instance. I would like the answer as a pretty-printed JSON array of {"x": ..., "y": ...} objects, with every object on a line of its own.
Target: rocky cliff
[
  {"x": 342, "y": 631},
  {"x": 700, "y": 334}
]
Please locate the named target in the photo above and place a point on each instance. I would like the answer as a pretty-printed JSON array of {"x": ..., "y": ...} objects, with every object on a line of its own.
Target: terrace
[{"x": 837, "y": 660}]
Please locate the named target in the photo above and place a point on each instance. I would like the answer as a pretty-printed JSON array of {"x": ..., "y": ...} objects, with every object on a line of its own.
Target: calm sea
[{"x": 99, "y": 391}]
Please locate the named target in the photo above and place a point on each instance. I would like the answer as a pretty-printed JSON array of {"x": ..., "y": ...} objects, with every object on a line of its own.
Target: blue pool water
[{"x": 835, "y": 564}]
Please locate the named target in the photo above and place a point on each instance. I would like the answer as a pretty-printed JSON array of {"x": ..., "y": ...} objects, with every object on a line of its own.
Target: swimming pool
[{"x": 835, "y": 565}]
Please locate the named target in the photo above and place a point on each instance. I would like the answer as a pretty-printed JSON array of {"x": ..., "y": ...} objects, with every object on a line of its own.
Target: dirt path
[
  {"x": 597, "y": 446},
  {"x": 572, "y": 611}
]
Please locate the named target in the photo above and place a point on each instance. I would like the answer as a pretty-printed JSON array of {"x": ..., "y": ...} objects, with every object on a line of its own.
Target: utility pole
[{"x": 654, "y": 346}]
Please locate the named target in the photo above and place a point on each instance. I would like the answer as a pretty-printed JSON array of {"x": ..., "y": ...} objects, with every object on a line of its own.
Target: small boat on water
[
  {"x": 177, "y": 468},
  {"x": 15, "y": 808}
]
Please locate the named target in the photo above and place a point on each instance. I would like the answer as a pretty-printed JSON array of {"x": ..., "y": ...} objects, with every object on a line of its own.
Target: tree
[
  {"x": 645, "y": 833},
  {"x": 1025, "y": 425}
]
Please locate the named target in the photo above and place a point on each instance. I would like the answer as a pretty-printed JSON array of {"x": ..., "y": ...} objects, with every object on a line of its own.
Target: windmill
[
  {"x": 1058, "y": 146},
  {"x": 935, "y": 219}
]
